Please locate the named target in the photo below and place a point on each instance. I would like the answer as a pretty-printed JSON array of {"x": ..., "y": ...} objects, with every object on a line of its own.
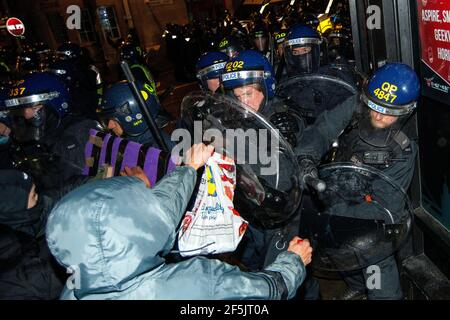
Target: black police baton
[
  {"x": 279, "y": 72},
  {"x": 141, "y": 103},
  {"x": 315, "y": 183}
]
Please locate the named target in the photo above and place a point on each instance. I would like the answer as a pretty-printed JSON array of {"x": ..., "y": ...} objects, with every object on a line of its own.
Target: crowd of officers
[{"x": 46, "y": 115}]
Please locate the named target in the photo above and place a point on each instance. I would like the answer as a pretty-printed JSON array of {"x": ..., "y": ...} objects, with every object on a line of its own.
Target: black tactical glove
[
  {"x": 287, "y": 125},
  {"x": 309, "y": 176}
]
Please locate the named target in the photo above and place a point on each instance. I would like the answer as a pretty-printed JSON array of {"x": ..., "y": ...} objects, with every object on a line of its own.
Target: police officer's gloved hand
[
  {"x": 309, "y": 176},
  {"x": 287, "y": 126}
]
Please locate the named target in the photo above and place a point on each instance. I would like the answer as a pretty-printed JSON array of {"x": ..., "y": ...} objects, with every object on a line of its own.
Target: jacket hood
[{"x": 110, "y": 231}]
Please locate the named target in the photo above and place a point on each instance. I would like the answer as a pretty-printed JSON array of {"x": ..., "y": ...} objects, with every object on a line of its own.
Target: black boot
[{"x": 352, "y": 294}]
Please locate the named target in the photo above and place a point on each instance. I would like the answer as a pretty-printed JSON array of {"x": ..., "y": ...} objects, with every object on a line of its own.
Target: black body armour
[{"x": 351, "y": 148}]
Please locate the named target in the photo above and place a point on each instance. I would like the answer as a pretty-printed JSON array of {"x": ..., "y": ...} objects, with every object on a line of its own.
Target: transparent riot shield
[
  {"x": 310, "y": 95},
  {"x": 361, "y": 218},
  {"x": 267, "y": 188}
]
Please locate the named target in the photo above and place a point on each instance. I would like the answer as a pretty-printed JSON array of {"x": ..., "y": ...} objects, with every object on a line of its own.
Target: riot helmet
[
  {"x": 36, "y": 103},
  {"x": 302, "y": 49},
  {"x": 27, "y": 60},
  {"x": 44, "y": 55},
  {"x": 340, "y": 46},
  {"x": 280, "y": 36},
  {"x": 209, "y": 68},
  {"x": 249, "y": 78},
  {"x": 120, "y": 112},
  {"x": 389, "y": 98},
  {"x": 64, "y": 70},
  {"x": 310, "y": 19},
  {"x": 69, "y": 51},
  {"x": 130, "y": 53},
  {"x": 231, "y": 46},
  {"x": 260, "y": 37}
]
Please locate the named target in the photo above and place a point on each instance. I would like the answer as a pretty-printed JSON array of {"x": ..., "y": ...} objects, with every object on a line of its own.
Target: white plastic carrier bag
[{"x": 213, "y": 226}]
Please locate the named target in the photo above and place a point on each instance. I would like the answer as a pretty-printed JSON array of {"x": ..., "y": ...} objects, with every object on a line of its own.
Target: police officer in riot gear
[
  {"x": 260, "y": 39},
  {"x": 135, "y": 58},
  {"x": 27, "y": 61},
  {"x": 249, "y": 78},
  {"x": 121, "y": 114},
  {"x": 74, "y": 66},
  {"x": 302, "y": 50},
  {"x": 231, "y": 46},
  {"x": 48, "y": 140},
  {"x": 209, "y": 68},
  {"x": 311, "y": 88},
  {"x": 340, "y": 47},
  {"x": 371, "y": 131},
  {"x": 278, "y": 62}
]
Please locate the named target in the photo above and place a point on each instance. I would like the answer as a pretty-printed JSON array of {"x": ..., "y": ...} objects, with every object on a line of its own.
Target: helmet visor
[
  {"x": 248, "y": 87},
  {"x": 379, "y": 129},
  {"x": 302, "y": 56},
  {"x": 28, "y": 123},
  {"x": 260, "y": 43}
]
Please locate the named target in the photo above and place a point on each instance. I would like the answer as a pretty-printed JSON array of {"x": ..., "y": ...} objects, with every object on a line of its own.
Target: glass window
[
  {"x": 108, "y": 21},
  {"x": 434, "y": 140},
  {"x": 87, "y": 33}
]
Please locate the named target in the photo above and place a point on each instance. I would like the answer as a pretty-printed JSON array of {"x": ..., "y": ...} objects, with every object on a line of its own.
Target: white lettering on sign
[
  {"x": 431, "y": 16},
  {"x": 446, "y": 14},
  {"x": 444, "y": 54},
  {"x": 442, "y": 35},
  {"x": 15, "y": 27}
]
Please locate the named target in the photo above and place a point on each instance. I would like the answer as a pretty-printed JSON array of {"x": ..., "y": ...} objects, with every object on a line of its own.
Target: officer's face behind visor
[
  {"x": 379, "y": 129},
  {"x": 109, "y": 122},
  {"x": 251, "y": 95},
  {"x": 380, "y": 120},
  {"x": 28, "y": 123},
  {"x": 30, "y": 112},
  {"x": 260, "y": 43},
  {"x": 213, "y": 84},
  {"x": 302, "y": 58}
]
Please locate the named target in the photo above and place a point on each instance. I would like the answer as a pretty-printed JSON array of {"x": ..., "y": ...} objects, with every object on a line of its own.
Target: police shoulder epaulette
[{"x": 402, "y": 140}]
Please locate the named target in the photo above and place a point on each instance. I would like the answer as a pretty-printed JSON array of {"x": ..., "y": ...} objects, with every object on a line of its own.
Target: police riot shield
[
  {"x": 267, "y": 187},
  {"x": 310, "y": 95},
  {"x": 361, "y": 218}
]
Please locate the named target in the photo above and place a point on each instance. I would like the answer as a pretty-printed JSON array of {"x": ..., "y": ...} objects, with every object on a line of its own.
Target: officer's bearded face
[
  {"x": 115, "y": 127},
  {"x": 249, "y": 96},
  {"x": 213, "y": 84},
  {"x": 30, "y": 113},
  {"x": 381, "y": 121}
]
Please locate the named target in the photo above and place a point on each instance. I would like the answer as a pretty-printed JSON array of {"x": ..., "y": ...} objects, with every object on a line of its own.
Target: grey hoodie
[{"x": 114, "y": 233}]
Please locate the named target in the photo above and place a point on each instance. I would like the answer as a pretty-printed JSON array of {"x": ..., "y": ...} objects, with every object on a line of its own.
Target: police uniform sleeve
[{"x": 317, "y": 139}]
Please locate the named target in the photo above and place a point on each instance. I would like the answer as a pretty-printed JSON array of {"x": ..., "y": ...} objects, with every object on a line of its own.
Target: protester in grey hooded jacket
[{"x": 115, "y": 233}]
